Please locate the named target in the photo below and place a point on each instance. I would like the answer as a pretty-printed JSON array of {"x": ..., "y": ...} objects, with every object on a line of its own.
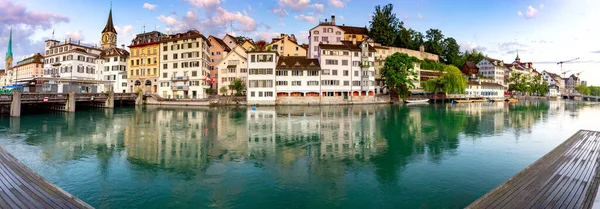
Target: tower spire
[
  {"x": 9, "y": 53},
  {"x": 109, "y": 23}
]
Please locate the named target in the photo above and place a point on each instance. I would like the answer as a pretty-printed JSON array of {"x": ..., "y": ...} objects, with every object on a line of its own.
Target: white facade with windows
[
  {"x": 347, "y": 69},
  {"x": 492, "y": 69},
  {"x": 323, "y": 34},
  {"x": 71, "y": 60},
  {"x": 185, "y": 65},
  {"x": 484, "y": 90},
  {"x": 261, "y": 77},
  {"x": 233, "y": 66},
  {"x": 113, "y": 66}
]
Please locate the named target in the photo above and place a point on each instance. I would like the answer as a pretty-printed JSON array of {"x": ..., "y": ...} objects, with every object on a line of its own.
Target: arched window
[
  {"x": 138, "y": 83},
  {"x": 148, "y": 83}
]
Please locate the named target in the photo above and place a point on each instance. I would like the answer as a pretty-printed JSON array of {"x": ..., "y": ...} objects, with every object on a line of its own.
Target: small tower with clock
[{"x": 109, "y": 34}]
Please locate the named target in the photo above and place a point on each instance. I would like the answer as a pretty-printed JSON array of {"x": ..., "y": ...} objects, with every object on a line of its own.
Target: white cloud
[
  {"x": 302, "y": 37},
  {"x": 306, "y": 18},
  {"x": 419, "y": 16},
  {"x": 125, "y": 30},
  {"x": 75, "y": 35},
  {"x": 295, "y": 5},
  {"x": 279, "y": 11},
  {"x": 341, "y": 17},
  {"x": 530, "y": 13},
  {"x": 338, "y": 3},
  {"x": 265, "y": 36},
  {"x": 468, "y": 46},
  {"x": 170, "y": 20},
  {"x": 319, "y": 7},
  {"x": 150, "y": 6},
  {"x": 204, "y": 3}
]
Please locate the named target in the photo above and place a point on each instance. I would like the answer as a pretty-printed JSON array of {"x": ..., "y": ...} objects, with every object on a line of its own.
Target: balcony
[
  {"x": 180, "y": 88},
  {"x": 180, "y": 78}
]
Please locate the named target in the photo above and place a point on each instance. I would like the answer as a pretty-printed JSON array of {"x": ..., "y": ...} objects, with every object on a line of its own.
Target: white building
[
  {"x": 493, "y": 69},
  {"x": 261, "y": 77},
  {"x": 185, "y": 65},
  {"x": 71, "y": 60},
  {"x": 233, "y": 66},
  {"x": 330, "y": 33},
  {"x": 348, "y": 69},
  {"x": 553, "y": 80},
  {"x": 113, "y": 65},
  {"x": 484, "y": 89}
]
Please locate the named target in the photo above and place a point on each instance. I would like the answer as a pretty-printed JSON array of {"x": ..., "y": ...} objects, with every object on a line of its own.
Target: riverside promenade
[
  {"x": 566, "y": 177},
  {"x": 21, "y": 187}
]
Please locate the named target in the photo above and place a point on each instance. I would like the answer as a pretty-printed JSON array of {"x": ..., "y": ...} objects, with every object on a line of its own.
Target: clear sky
[{"x": 544, "y": 32}]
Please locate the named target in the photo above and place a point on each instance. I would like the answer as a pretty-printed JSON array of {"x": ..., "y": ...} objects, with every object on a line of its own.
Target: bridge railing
[{"x": 43, "y": 96}]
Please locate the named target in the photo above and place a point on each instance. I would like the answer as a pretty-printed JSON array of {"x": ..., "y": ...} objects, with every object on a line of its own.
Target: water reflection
[{"x": 292, "y": 150}]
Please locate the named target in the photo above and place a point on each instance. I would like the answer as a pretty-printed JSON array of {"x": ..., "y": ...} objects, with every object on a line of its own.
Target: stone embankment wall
[{"x": 241, "y": 101}]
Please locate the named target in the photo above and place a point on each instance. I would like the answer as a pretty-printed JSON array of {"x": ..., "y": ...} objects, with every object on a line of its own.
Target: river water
[{"x": 382, "y": 156}]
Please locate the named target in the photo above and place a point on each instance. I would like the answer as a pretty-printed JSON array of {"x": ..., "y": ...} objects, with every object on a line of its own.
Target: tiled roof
[
  {"x": 148, "y": 38},
  {"x": 298, "y": 62},
  {"x": 222, "y": 43},
  {"x": 354, "y": 30},
  {"x": 186, "y": 35},
  {"x": 112, "y": 52}
]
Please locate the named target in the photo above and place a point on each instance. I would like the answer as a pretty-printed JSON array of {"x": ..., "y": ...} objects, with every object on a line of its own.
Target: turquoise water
[{"x": 423, "y": 156}]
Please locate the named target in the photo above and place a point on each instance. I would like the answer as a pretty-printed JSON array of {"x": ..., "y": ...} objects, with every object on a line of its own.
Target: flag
[{"x": 212, "y": 80}]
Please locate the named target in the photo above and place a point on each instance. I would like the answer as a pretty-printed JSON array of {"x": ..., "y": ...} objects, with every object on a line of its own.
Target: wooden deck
[
  {"x": 21, "y": 187},
  {"x": 566, "y": 177}
]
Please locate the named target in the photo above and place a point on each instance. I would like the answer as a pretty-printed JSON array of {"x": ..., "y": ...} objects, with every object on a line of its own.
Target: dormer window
[{"x": 316, "y": 32}]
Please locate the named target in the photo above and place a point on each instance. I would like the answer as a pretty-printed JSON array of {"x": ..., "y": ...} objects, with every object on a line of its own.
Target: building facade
[
  {"x": 330, "y": 33},
  {"x": 30, "y": 67},
  {"x": 71, "y": 60},
  {"x": 287, "y": 45},
  {"x": 112, "y": 62},
  {"x": 233, "y": 66},
  {"x": 185, "y": 66},
  {"x": 493, "y": 69},
  {"x": 218, "y": 50},
  {"x": 261, "y": 77},
  {"x": 144, "y": 62},
  {"x": 571, "y": 83}
]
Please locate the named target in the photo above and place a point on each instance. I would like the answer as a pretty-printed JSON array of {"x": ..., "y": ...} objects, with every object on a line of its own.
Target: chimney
[
  {"x": 353, "y": 40},
  {"x": 326, "y": 20},
  {"x": 123, "y": 46},
  {"x": 422, "y": 48},
  {"x": 333, "y": 19}
]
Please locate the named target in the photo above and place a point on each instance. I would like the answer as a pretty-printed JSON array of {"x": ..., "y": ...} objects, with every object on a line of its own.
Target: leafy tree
[
  {"x": 237, "y": 86},
  {"x": 473, "y": 56},
  {"x": 417, "y": 39},
  {"x": 209, "y": 91},
  {"x": 223, "y": 90},
  {"x": 403, "y": 38},
  {"x": 434, "y": 41},
  {"x": 583, "y": 89},
  {"x": 451, "y": 53},
  {"x": 384, "y": 25},
  {"x": 595, "y": 90},
  {"x": 452, "y": 81},
  {"x": 517, "y": 82},
  {"x": 398, "y": 74}
]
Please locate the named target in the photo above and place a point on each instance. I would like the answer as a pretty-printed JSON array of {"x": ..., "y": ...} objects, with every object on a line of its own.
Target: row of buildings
[{"x": 340, "y": 64}]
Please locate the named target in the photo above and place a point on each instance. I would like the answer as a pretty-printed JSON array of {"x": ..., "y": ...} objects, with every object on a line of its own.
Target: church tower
[
  {"x": 9, "y": 55},
  {"x": 109, "y": 34}
]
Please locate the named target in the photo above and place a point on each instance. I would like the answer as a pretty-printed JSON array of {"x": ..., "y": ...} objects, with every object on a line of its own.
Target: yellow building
[
  {"x": 287, "y": 46},
  {"x": 144, "y": 62},
  {"x": 247, "y": 45}
]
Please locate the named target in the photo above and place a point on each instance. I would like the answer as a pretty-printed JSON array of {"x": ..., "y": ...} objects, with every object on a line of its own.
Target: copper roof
[
  {"x": 298, "y": 62},
  {"x": 148, "y": 38},
  {"x": 354, "y": 30}
]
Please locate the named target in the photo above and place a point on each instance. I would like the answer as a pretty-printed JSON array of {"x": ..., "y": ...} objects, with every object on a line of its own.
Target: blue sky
[{"x": 544, "y": 32}]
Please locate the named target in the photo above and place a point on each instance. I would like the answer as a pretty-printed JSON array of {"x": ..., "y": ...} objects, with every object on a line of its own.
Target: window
[
  {"x": 326, "y": 72},
  {"x": 281, "y": 73},
  {"x": 356, "y": 54},
  {"x": 174, "y": 65},
  {"x": 296, "y": 83},
  {"x": 316, "y": 38},
  {"x": 268, "y": 94},
  {"x": 356, "y": 73},
  {"x": 316, "y": 48},
  {"x": 243, "y": 70},
  {"x": 338, "y": 39},
  {"x": 356, "y": 83},
  {"x": 325, "y": 39},
  {"x": 297, "y": 73},
  {"x": 194, "y": 73},
  {"x": 174, "y": 56},
  {"x": 261, "y": 71},
  {"x": 331, "y": 62},
  {"x": 165, "y": 66},
  {"x": 330, "y": 82},
  {"x": 312, "y": 83},
  {"x": 252, "y": 58},
  {"x": 316, "y": 32},
  {"x": 356, "y": 63},
  {"x": 333, "y": 72},
  {"x": 313, "y": 73},
  {"x": 346, "y": 73},
  {"x": 260, "y": 94},
  {"x": 252, "y": 94},
  {"x": 345, "y": 62},
  {"x": 282, "y": 83},
  {"x": 346, "y": 83}
]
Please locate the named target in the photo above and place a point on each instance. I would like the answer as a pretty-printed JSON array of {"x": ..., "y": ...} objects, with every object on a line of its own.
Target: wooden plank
[
  {"x": 21, "y": 187},
  {"x": 566, "y": 177}
]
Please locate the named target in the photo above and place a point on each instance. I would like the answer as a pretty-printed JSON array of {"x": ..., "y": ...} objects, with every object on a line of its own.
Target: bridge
[
  {"x": 591, "y": 98},
  {"x": 64, "y": 101}
]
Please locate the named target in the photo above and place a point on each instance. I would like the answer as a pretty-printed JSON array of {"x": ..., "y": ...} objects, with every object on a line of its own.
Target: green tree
[
  {"x": 451, "y": 53},
  {"x": 595, "y": 90},
  {"x": 434, "y": 41},
  {"x": 452, "y": 81},
  {"x": 417, "y": 39},
  {"x": 223, "y": 90},
  {"x": 403, "y": 37},
  {"x": 517, "y": 83},
  {"x": 237, "y": 86},
  {"x": 209, "y": 91},
  {"x": 583, "y": 89},
  {"x": 472, "y": 56},
  {"x": 384, "y": 25},
  {"x": 398, "y": 73}
]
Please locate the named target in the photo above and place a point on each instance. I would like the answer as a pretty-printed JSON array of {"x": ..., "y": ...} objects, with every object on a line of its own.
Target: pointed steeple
[
  {"x": 109, "y": 24},
  {"x": 9, "y": 53},
  {"x": 518, "y": 59}
]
